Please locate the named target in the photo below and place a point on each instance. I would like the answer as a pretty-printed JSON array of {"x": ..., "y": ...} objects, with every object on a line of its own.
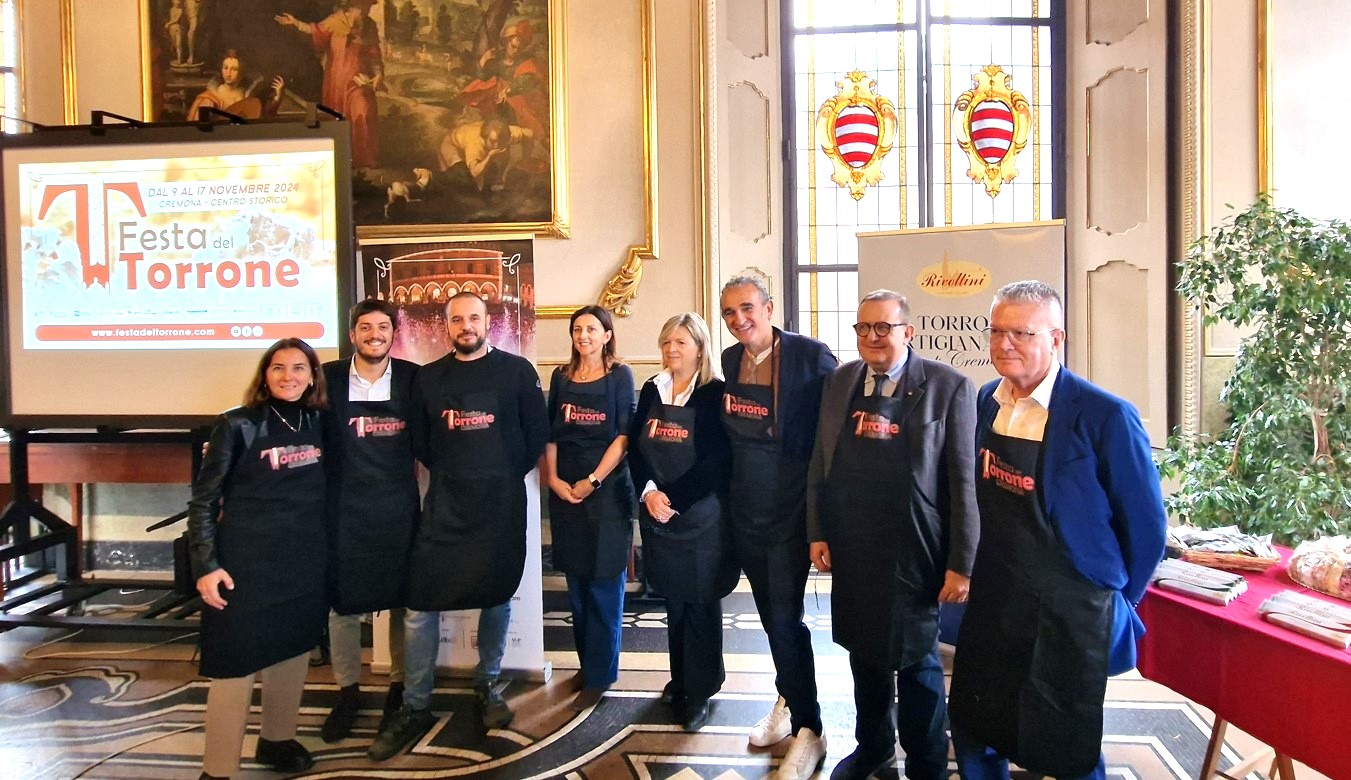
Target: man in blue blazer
[
  {"x": 770, "y": 404},
  {"x": 1072, "y": 527}
]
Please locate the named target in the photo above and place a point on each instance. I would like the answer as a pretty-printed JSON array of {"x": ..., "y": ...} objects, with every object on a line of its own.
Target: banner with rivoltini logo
[{"x": 950, "y": 276}]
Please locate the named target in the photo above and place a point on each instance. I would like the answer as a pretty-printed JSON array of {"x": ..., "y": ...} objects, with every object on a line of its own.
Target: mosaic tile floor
[{"x": 104, "y": 705}]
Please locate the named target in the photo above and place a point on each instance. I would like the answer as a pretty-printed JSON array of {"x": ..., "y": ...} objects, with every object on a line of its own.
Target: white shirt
[
  {"x": 358, "y": 389},
  {"x": 763, "y": 356},
  {"x": 1025, "y": 418},
  {"x": 665, "y": 383},
  {"x": 893, "y": 376}
]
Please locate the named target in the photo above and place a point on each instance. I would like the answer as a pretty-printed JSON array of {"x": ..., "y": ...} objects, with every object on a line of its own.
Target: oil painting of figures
[{"x": 448, "y": 100}]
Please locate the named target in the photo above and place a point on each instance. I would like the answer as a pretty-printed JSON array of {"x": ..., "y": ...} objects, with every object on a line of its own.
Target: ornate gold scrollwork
[
  {"x": 993, "y": 123},
  {"x": 859, "y": 129}
]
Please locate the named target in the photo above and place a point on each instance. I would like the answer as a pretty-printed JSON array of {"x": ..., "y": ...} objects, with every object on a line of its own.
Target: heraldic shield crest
[
  {"x": 992, "y": 124},
  {"x": 858, "y": 129}
]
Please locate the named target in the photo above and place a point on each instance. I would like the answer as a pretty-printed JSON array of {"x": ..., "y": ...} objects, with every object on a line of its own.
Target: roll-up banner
[
  {"x": 950, "y": 275},
  {"x": 419, "y": 276}
]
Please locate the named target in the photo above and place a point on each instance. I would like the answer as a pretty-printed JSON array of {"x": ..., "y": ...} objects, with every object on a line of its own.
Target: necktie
[{"x": 879, "y": 379}]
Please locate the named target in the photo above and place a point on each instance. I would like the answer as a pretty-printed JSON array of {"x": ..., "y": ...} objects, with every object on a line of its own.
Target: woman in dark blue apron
[
  {"x": 591, "y": 500},
  {"x": 680, "y": 459},
  {"x": 256, "y": 535}
]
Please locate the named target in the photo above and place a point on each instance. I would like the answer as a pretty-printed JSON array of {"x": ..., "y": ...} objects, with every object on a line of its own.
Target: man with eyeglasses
[
  {"x": 891, "y": 513},
  {"x": 769, "y": 410},
  {"x": 1072, "y": 526}
]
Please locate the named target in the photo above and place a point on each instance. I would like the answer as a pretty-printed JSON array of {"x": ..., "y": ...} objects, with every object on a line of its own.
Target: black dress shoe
[
  {"x": 284, "y": 756},
  {"x": 205, "y": 776},
  {"x": 860, "y": 766},
  {"x": 696, "y": 715},
  {"x": 671, "y": 695}
]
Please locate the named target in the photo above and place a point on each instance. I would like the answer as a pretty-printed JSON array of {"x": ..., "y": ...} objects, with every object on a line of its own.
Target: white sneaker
[
  {"x": 774, "y": 727},
  {"x": 804, "y": 757}
]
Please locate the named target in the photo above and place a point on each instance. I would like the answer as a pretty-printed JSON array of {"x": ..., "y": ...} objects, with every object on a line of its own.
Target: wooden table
[
  {"x": 1287, "y": 690},
  {"x": 76, "y": 464}
]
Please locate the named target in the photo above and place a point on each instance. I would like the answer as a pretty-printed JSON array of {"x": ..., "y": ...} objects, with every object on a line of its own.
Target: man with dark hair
[
  {"x": 771, "y": 401},
  {"x": 891, "y": 512},
  {"x": 372, "y": 502},
  {"x": 480, "y": 426},
  {"x": 1072, "y": 527}
]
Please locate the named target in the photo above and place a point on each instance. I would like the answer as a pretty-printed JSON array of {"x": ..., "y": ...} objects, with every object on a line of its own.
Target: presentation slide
[
  {"x": 147, "y": 269},
  {"x": 195, "y": 252}
]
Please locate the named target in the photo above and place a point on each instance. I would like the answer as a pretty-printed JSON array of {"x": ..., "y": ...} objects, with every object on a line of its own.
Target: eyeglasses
[
  {"x": 1018, "y": 337},
  {"x": 882, "y": 329}
]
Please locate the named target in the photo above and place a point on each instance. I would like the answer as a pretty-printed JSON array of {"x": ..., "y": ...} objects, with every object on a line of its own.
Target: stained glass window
[{"x": 922, "y": 55}]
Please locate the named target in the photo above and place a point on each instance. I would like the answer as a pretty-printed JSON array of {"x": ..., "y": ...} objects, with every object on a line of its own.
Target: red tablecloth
[{"x": 1285, "y": 689}]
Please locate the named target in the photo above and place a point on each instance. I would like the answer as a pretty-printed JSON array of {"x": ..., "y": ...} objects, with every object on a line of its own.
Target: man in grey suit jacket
[{"x": 891, "y": 512}]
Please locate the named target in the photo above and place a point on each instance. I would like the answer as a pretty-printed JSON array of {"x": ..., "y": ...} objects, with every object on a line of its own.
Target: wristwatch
[{"x": 595, "y": 483}]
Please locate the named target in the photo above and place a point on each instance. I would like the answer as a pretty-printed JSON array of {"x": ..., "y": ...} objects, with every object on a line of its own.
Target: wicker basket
[{"x": 1228, "y": 560}]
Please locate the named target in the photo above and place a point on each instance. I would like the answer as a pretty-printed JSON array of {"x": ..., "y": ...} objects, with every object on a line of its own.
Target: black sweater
[
  {"x": 516, "y": 384},
  {"x": 713, "y": 465}
]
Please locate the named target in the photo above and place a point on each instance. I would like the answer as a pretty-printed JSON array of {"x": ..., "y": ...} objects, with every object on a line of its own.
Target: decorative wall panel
[
  {"x": 748, "y": 27},
  {"x": 748, "y": 178},
  {"x": 1110, "y": 21},
  {"x": 1118, "y": 336},
  {"x": 1118, "y": 141}
]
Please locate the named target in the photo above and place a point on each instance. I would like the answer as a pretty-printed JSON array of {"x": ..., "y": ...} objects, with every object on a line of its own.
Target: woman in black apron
[
  {"x": 591, "y": 500},
  {"x": 681, "y": 462},
  {"x": 256, "y": 535}
]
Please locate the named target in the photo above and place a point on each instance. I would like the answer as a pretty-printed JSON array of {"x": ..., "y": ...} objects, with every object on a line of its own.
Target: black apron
[
  {"x": 769, "y": 489},
  {"x": 271, "y": 541},
  {"x": 886, "y": 561},
  {"x": 1031, "y": 667},
  {"x": 688, "y": 558},
  {"x": 470, "y": 547},
  {"x": 377, "y": 509},
  {"x": 590, "y": 539}
]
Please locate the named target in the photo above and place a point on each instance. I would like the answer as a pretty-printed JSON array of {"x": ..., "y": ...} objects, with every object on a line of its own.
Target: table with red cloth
[{"x": 1290, "y": 691}]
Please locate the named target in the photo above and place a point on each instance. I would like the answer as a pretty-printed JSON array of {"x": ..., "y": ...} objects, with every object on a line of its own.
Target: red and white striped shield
[
  {"x": 856, "y": 135},
  {"x": 992, "y": 130}
]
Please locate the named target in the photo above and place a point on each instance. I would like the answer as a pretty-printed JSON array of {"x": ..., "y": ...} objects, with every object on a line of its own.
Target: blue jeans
[
  {"x": 978, "y": 762},
  {"x": 597, "y": 621},
  {"x": 422, "y": 640}
]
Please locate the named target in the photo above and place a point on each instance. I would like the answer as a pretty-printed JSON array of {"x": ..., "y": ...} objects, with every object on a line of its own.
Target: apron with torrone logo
[
  {"x": 688, "y": 558},
  {"x": 470, "y": 547},
  {"x": 768, "y": 499},
  {"x": 377, "y": 509},
  {"x": 886, "y": 568},
  {"x": 1031, "y": 667},
  {"x": 271, "y": 541},
  {"x": 590, "y": 539}
]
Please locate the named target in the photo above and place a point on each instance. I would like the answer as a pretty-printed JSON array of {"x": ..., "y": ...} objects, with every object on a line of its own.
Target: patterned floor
[{"x": 109, "y": 706}]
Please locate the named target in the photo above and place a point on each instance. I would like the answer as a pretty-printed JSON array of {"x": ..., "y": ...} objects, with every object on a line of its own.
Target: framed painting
[{"x": 455, "y": 106}]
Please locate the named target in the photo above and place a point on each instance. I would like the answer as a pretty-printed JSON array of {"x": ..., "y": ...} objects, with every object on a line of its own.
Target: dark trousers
[
  {"x": 694, "y": 643},
  {"x": 978, "y": 762},
  {"x": 916, "y": 691},
  {"x": 597, "y": 618},
  {"x": 778, "y": 577}
]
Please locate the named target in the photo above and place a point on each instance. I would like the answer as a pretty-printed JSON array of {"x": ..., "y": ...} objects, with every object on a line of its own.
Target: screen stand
[{"x": 24, "y": 510}]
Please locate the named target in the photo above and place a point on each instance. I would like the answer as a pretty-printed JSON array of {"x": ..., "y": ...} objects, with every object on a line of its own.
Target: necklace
[
  {"x": 584, "y": 373},
  {"x": 287, "y": 422}
]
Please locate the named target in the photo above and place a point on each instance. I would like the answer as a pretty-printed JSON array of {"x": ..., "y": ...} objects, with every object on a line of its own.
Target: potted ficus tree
[{"x": 1283, "y": 465}]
